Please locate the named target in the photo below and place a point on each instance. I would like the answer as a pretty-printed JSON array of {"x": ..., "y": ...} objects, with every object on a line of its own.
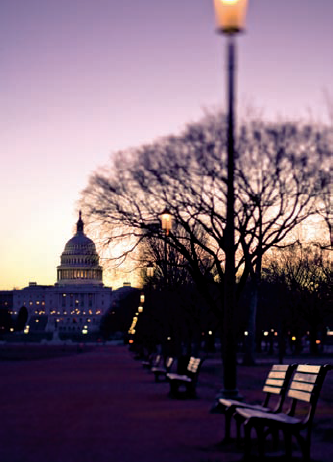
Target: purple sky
[{"x": 83, "y": 78}]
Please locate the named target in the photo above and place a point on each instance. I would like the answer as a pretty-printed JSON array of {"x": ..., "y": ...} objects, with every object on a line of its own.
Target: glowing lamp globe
[
  {"x": 230, "y": 15},
  {"x": 166, "y": 220},
  {"x": 150, "y": 270}
]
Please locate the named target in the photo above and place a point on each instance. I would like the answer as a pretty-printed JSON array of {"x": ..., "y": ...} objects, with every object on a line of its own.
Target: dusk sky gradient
[{"x": 81, "y": 79}]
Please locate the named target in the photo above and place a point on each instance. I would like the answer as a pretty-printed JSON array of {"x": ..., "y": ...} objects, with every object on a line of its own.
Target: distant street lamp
[
  {"x": 150, "y": 270},
  {"x": 230, "y": 19},
  {"x": 166, "y": 223}
]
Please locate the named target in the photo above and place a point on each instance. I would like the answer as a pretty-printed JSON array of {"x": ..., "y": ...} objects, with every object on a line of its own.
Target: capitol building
[{"x": 77, "y": 301}]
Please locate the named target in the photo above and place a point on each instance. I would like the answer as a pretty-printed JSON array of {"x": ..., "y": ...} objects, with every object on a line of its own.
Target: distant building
[
  {"x": 6, "y": 299},
  {"x": 79, "y": 298}
]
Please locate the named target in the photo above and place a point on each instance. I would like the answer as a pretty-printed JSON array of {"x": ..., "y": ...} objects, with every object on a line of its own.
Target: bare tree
[
  {"x": 325, "y": 203},
  {"x": 276, "y": 176}
]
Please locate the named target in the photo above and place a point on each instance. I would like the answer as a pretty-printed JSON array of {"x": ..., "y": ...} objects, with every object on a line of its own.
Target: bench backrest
[
  {"x": 193, "y": 367},
  {"x": 155, "y": 360},
  {"x": 305, "y": 386},
  {"x": 277, "y": 382},
  {"x": 169, "y": 362}
]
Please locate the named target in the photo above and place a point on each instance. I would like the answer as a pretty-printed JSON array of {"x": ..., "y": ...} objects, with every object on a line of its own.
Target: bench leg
[
  {"x": 304, "y": 444},
  {"x": 239, "y": 421},
  {"x": 227, "y": 423},
  {"x": 261, "y": 441},
  {"x": 247, "y": 440},
  {"x": 288, "y": 443},
  {"x": 275, "y": 438},
  {"x": 190, "y": 390},
  {"x": 174, "y": 388}
]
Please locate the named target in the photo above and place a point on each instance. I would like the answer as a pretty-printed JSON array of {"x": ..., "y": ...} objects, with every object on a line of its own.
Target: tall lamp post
[
  {"x": 230, "y": 17},
  {"x": 166, "y": 223}
]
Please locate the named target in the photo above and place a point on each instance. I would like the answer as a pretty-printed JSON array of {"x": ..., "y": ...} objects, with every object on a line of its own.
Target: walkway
[{"x": 102, "y": 406}]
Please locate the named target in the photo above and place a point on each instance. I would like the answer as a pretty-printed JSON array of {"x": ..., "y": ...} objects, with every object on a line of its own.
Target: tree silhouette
[
  {"x": 304, "y": 277},
  {"x": 22, "y": 318},
  {"x": 276, "y": 184}
]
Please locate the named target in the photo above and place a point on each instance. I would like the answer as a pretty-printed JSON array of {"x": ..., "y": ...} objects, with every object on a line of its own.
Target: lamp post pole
[
  {"x": 166, "y": 224},
  {"x": 230, "y": 16},
  {"x": 228, "y": 345},
  {"x": 165, "y": 258}
]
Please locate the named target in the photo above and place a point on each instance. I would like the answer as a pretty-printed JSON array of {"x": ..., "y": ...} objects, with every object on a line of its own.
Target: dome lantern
[{"x": 79, "y": 224}]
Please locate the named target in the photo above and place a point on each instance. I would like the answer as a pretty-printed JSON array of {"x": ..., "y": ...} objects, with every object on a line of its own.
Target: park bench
[
  {"x": 275, "y": 388},
  {"x": 160, "y": 372},
  {"x": 152, "y": 361},
  {"x": 296, "y": 422},
  {"x": 185, "y": 384}
]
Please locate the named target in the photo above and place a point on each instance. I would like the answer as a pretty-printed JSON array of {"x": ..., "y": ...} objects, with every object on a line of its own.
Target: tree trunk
[
  {"x": 313, "y": 340},
  {"x": 250, "y": 343}
]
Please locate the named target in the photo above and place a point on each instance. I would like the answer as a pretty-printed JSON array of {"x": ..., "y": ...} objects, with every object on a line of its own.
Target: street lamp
[
  {"x": 150, "y": 270},
  {"x": 230, "y": 19},
  {"x": 166, "y": 223},
  {"x": 230, "y": 15}
]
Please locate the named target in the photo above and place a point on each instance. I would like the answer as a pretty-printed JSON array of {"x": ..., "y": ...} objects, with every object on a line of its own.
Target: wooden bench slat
[
  {"x": 300, "y": 395},
  {"x": 274, "y": 390},
  {"x": 308, "y": 368},
  {"x": 280, "y": 367},
  {"x": 277, "y": 374},
  {"x": 277, "y": 383},
  {"x": 310, "y": 378},
  {"x": 302, "y": 386}
]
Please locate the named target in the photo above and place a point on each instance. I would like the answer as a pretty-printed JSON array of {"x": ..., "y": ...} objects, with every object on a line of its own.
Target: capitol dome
[{"x": 79, "y": 262}]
